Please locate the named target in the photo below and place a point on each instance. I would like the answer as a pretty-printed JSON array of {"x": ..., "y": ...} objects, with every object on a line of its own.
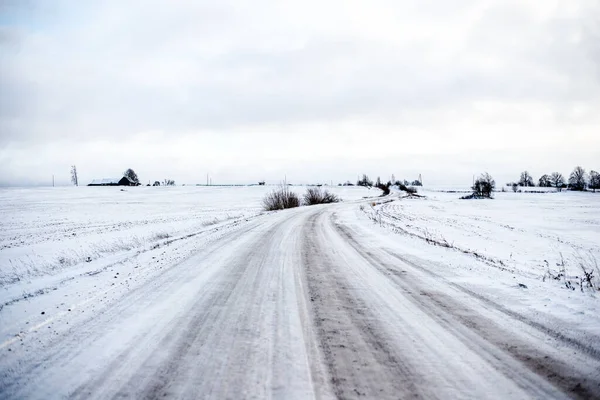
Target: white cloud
[{"x": 263, "y": 88}]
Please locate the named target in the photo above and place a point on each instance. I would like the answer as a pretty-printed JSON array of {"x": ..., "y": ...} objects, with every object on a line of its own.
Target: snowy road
[{"x": 299, "y": 304}]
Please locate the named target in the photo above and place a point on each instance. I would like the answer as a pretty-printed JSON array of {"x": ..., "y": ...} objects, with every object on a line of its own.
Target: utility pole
[{"x": 52, "y": 180}]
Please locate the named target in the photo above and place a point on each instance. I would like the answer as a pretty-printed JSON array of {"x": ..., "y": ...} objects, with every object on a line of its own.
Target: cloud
[{"x": 243, "y": 82}]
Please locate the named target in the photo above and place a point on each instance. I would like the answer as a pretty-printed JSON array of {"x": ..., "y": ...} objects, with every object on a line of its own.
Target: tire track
[
  {"x": 164, "y": 362},
  {"x": 357, "y": 353},
  {"x": 79, "y": 339}
]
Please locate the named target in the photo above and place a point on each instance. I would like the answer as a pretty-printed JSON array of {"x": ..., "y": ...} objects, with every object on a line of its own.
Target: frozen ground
[
  {"x": 208, "y": 297},
  {"x": 54, "y": 231},
  {"x": 529, "y": 234},
  {"x": 45, "y": 231}
]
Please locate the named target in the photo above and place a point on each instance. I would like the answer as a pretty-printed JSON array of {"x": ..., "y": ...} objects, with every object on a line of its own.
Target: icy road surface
[{"x": 305, "y": 303}]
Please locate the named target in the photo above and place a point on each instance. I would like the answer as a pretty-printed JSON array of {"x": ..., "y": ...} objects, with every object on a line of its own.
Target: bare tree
[
  {"x": 484, "y": 186},
  {"x": 544, "y": 181},
  {"x": 557, "y": 180},
  {"x": 74, "y": 178},
  {"x": 594, "y": 180},
  {"x": 526, "y": 179},
  {"x": 131, "y": 175},
  {"x": 577, "y": 179}
]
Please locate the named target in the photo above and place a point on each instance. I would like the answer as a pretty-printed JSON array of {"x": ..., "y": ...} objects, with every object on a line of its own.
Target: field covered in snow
[
  {"x": 184, "y": 291},
  {"x": 61, "y": 231},
  {"x": 538, "y": 235},
  {"x": 50, "y": 231}
]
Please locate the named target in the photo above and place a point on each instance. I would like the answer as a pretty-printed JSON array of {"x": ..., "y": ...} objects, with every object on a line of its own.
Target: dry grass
[
  {"x": 280, "y": 199},
  {"x": 317, "y": 196}
]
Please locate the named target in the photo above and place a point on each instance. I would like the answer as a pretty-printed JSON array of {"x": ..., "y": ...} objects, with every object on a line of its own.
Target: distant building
[{"x": 124, "y": 181}]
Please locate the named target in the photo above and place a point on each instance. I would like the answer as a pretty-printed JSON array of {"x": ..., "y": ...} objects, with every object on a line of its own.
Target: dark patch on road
[{"x": 360, "y": 360}]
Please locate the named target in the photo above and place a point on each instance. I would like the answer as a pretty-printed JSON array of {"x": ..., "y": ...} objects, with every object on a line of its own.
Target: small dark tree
[
  {"x": 74, "y": 178},
  {"x": 544, "y": 181},
  {"x": 515, "y": 187},
  {"x": 557, "y": 180},
  {"x": 131, "y": 175},
  {"x": 405, "y": 188},
  {"x": 484, "y": 186},
  {"x": 526, "y": 179},
  {"x": 156, "y": 183},
  {"x": 577, "y": 179},
  {"x": 594, "y": 180},
  {"x": 365, "y": 181},
  {"x": 385, "y": 188},
  {"x": 416, "y": 182}
]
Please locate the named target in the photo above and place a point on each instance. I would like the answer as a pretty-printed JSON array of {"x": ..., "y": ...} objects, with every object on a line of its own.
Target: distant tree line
[
  {"x": 166, "y": 182},
  {"x": 579, "y": 180},
  {"x": 405, "y": 185},
  {"x": 366, "y": 182}
]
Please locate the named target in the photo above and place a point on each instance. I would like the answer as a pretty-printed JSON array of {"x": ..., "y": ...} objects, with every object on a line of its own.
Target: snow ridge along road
[{"x": 300, "y": 304}]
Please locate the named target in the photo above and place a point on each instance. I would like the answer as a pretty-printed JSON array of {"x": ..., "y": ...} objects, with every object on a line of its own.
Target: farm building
[{"x": 124, "y": 181}]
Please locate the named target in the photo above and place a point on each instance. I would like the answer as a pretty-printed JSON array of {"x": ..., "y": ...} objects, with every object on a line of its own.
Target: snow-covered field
[
  {"x": 195, "y": 292},
  {"x": 52, "y": 230},
  {"x": 538, "y": 235}
]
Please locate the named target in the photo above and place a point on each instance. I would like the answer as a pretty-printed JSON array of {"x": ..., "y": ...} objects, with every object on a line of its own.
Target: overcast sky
[{"x": 315, "y": 90}]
